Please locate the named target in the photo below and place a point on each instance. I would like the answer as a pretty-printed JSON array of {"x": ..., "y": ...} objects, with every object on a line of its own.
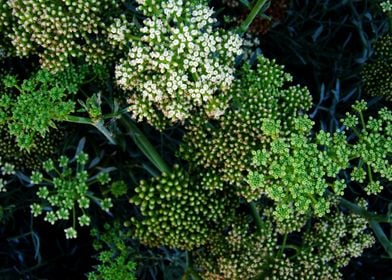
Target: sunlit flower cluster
[{"x": 180, "y": 64}]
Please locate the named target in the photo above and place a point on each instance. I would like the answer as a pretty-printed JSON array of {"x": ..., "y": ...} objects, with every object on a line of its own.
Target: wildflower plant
[
  {"x": 65, "y": 191},
  {"x": 182, "y": 63},
  {"x": 296, "y": 171},
  {"x": 225, "y": 146},
  {"x": 178, "y": 211},
  {"x": 61, "y": 30},
  {"x": 30, "y": 108},
  {"x": 323, "y": 249},
  {"x": 114, "y": 254}
]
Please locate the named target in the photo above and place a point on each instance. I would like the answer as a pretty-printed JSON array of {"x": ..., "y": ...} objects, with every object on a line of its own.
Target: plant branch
[
  {"x": 252, "y": 15},
  {"x": 256, "y": 216},
  {"x": 97, "y": 124},
  {"x": 385, "y": 242}
]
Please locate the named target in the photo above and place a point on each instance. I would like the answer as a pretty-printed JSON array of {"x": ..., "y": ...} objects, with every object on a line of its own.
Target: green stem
[
  {"x": 144, "y": 144},
  {"x": 256, "y": 216},
  {"x": 189, "y": 270},
  {"x": 362, "y": 212},
  {"x": 97, "y": 124},
  {"x": 385, "y": 242},
  {"x": 390, "y": 21},
  {"x": 73, "y": 217},
  {"x": 194, "y": 275},
  {"x": 369, "y": 172},
  {"x": 252, "y": 15},
  {"x": 280, "y": 254},
  {"x": 362, "y": 121}
]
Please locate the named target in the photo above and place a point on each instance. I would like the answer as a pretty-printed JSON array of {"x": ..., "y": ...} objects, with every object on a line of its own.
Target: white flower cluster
[
  {"x": 119, "y": 32},
  {"x": 180, "y": 63}
]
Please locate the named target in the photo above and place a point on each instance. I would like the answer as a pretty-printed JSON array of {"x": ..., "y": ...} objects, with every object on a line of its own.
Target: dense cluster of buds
[
  {"x": 226, "y": 144},
  {"x": 62, "y": 30}
]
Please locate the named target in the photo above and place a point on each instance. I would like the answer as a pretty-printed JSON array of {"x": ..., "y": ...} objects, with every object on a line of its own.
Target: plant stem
[
  {"x": 189, "y": 270},
  {"x": 252, "y": 15},
  {"x": 362, "y": 212},
  {"x": 256, "y": 216},
  {"x": 385, "y": 242},
  {"x": 97, "y": 124},
  {"x": 280, "y": 253},
  {"x": 144, "y": 144}
]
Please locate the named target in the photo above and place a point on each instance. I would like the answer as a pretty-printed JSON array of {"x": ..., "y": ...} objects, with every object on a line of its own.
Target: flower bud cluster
[
  {"x": 225, "y": 145},
  {"x": 181, "y": 63},
  {"x": 386, "y": 6},
  {"x": 328, "y": 247},
  {"x": 295, "y": 171},
  {"x": 60, "y": 30},
  {"x": 239, "y": 254},
  {"x": 377, "y": 74},
  {"x": 5, "y": 29},
  {"x": 178, "y": 211},
  {"x": 243, "y": 253}
]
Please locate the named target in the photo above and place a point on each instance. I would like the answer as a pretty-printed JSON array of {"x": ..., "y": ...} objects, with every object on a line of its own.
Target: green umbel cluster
[
  {"x": 296, "y": 171},
  {"x": 377, "y": 74},
  {"x": 244, "y": 253},
  {"x": 30, "y": 108},
  {"x": 66, "y": 189},
  {"x": 182, "y": 63},
  {"x": 60, "y": 30},
  {"x": 225, "y": 145},
  {"x": 179, "y": 211},
  {"x": 386, "y": 6},
  {"x": 114, "y": 257},
  {"x": 372, "y": 151}
]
